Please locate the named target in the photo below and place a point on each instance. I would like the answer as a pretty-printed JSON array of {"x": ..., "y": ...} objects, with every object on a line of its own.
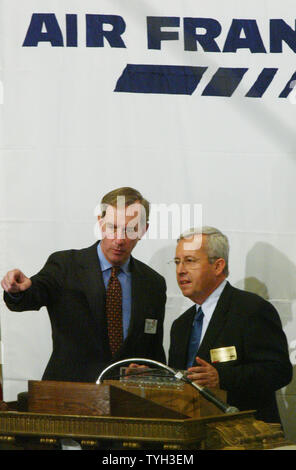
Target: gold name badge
[{"x": 223, "y": 354}]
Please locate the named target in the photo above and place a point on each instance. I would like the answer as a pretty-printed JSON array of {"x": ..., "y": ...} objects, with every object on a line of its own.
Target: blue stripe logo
[{"x": 184, "y": 80}]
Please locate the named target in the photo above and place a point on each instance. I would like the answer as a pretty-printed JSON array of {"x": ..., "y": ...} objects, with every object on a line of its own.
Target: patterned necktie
[
  {"x": 195, "y": 337},
  {"x": 114, "y": 311}
]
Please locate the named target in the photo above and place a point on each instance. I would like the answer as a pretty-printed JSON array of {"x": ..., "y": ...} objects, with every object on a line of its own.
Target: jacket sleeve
[
  {"x": 45, "y": 286},
  {"x": 265, "y": 365}
]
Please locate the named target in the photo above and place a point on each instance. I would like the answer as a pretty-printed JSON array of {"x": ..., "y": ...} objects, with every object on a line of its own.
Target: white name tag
[
  {"x": 150, "y": 326},
  {"x": 223, "y": 354}
]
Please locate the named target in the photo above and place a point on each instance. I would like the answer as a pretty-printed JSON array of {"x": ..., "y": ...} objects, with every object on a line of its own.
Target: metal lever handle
[{"x": 206, "y": 393}]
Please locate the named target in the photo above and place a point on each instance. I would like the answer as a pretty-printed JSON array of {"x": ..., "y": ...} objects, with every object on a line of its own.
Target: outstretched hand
[{"x": 15, "y": 281}]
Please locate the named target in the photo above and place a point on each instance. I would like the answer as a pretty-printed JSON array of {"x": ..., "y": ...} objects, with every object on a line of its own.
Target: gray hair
[{"x": 217, "y": 243}]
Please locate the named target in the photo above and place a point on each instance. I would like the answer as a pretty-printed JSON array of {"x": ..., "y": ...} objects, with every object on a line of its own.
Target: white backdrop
[{"x": 67, "y": 137}]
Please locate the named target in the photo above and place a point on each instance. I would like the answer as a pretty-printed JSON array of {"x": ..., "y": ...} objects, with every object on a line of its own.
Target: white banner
[{"x": 189, "y": 102}]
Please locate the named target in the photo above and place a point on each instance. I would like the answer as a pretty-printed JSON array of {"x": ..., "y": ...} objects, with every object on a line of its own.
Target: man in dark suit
[
  {"x": 230, "y": 338},
  {"x": 74, "y": 285}
]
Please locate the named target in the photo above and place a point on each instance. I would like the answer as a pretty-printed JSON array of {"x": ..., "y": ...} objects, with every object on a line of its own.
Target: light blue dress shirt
[{"x": 125, "y": 280}]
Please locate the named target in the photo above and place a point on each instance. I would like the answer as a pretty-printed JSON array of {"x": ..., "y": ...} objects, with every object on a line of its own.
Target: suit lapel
[
  {"x": 139, "y": 284},
  {"x": 91, "y": 279},
  {"x": 184, "y": 334},
  {"x": 217, "y": 322}
]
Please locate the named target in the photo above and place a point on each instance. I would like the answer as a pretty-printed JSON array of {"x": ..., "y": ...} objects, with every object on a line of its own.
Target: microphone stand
[{"x": 205, "y": 392}]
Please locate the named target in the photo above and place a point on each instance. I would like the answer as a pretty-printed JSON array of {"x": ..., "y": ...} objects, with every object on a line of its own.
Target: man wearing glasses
[{"x": 230, "y": 338}]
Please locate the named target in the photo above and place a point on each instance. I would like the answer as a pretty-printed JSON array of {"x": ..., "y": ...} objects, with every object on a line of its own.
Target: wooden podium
[{"x": 131, "y": 416}]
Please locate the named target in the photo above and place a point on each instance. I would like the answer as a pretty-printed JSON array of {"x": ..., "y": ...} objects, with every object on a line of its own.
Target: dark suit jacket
[
  {"x": 71, "y": 286},
  {"x": 253, "y": 326}
]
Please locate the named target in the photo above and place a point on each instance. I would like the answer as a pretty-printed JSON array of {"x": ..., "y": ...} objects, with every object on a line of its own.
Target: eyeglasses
[{"x": 190, "y": 262}]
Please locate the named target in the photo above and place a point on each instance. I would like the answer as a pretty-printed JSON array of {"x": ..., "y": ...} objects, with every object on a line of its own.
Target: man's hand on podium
[
  {"x": 204, "y": 375},
  {"x": 3, "y": 406},
  {"x": 15, "y": 282},
  {"x": 135, "y": 368}
]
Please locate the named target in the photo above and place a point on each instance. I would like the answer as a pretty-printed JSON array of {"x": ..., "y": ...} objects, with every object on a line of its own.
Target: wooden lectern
[{"x": 133, "y": 415}]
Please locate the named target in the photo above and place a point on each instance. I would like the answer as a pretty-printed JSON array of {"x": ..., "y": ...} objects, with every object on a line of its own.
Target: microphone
[{"x": 206, "y": 393}]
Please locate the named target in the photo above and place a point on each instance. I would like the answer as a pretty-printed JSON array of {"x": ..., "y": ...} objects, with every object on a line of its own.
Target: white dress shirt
[{"x": 209, "y": 306}]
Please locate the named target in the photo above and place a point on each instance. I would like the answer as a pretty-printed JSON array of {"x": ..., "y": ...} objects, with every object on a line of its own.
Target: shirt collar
[
  {"x": 105, "y": 265},
  {"x": 210, "y": 303}
]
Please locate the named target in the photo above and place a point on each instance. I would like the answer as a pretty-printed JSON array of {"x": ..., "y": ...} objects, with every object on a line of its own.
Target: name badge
[
  {"x": 150, "y": 326},
  {"x": 223, "y": 354}
]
